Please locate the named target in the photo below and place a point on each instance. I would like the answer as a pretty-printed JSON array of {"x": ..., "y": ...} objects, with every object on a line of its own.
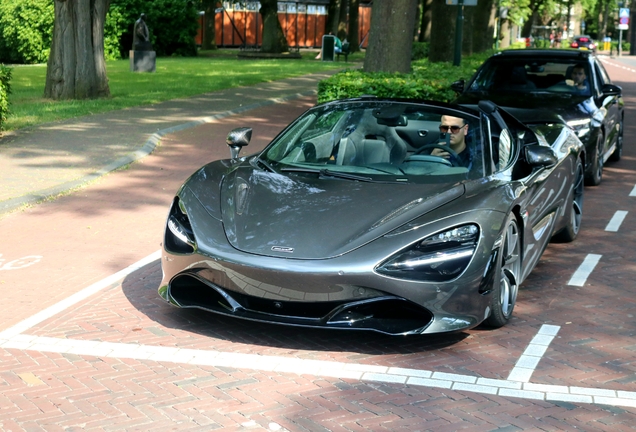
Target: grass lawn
[{"x": 176, "y": 77}]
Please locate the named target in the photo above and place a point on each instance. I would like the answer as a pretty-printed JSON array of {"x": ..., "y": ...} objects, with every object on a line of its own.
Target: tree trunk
[
  {"x": 274, "y": 40},
  {"x": 391, "y": 36},
  {"x": 483, "y": 34},
  {"x": 442, "y": 32},
  {"x": 342, "y": 20},
  {"x": 425, "y": 23},
  {"x": 209, "y": 28},
  {"x": 333, "y": 16},
  {"x": 76, "y": 68},
  {"x": 468, "y": 30},
  {"x": 354, "y": 25}
]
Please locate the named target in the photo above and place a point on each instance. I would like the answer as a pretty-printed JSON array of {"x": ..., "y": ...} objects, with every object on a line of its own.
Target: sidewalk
[{"x": 44, "y": 161}]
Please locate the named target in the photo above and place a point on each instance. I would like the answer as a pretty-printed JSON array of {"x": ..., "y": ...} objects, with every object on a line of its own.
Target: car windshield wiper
[
  {"x": 343, "y": 175},
  {"x": 329, "y": 173}
]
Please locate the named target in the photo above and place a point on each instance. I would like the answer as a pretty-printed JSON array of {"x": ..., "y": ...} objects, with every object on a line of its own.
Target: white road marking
[
  {"x": 51, "y": 311},
  {"x": 633, "y": 192},
  {"x": 330, "y": 369},
  {"x": 20, "y": 263},
  {"x": 530, "y": 358},
  {"x": 620, "y": 66},
  {"x": 616, "y": 221},
  {"x": 14, "y": 338},
  {"x": 585, "y": 269}
]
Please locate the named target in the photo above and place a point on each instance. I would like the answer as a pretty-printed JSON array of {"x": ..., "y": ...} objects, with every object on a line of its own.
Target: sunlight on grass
[{"x": 176, "y": 77}]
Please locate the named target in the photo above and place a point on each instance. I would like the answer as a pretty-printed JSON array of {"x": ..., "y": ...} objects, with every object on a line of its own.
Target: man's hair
[{"x": 579, "y": 66}]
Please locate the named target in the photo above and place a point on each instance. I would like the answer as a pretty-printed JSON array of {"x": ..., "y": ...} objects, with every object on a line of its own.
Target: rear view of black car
[
  {"x": 583, "y": 43},
  {"x": 555, "y": 86}
]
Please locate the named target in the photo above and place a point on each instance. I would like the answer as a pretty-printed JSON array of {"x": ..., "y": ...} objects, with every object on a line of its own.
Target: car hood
[
  {"x": 303, "y": 216},
  {"x": 538, "y": 107}
]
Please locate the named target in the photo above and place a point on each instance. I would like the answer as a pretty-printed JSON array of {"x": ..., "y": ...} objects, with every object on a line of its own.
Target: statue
[
  {"x": 142, "y": 57},
  {"x": 141, "y": 36}
]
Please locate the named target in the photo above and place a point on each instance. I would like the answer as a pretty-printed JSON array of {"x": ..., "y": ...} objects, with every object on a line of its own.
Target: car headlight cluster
[
  {"x": 438, "y": 258},
  {"x": 179, "y": 235}
]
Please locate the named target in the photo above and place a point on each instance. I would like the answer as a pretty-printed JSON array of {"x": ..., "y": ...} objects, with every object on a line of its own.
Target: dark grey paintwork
[{"x": 301, "y": 249}]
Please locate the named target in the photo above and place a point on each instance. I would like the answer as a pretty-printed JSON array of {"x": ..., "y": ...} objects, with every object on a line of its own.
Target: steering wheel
[{"x": 453, "y": 159}]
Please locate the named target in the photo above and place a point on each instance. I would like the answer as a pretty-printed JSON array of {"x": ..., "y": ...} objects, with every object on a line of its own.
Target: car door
[
  {"x": 609, "y": 104},
  {"x": 540, "y": 191}
]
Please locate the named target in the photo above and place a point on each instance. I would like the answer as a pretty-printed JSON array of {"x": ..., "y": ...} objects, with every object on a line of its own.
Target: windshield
[
  {"x": 380, "y": 141},
  {"x": 534, "y": 75}
]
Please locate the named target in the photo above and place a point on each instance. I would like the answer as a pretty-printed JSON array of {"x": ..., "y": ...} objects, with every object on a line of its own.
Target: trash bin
[{"x": 328, "y": 47}]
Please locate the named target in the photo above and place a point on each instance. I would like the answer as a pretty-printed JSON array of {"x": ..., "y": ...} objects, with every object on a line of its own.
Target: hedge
[
  {"x": 5, "y": 90},
  {"x": 427, "y": 81}
]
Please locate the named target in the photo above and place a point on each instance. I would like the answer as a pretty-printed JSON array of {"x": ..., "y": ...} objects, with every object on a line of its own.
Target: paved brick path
[{"x": 99, "y": 230}]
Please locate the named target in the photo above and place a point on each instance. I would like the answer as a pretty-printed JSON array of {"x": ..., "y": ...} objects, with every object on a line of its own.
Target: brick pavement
[{"x": 101, "y": 229}]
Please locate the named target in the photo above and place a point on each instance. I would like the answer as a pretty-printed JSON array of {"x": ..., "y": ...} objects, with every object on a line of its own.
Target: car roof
[{"x": 558, "y": 53}]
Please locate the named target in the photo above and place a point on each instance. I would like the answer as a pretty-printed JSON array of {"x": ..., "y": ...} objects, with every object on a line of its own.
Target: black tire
[
  {"x": 575, "y": 210},
  {"x": 618, "y": 151},
  {"x": 595, "y": 177},
  {"x": 506, "y": 286}
]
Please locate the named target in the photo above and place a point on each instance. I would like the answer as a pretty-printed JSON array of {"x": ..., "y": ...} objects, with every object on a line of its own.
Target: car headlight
[
  {"x": 438, "y": 258},
  {"x": 581, "y": 126},
  {"x": 179, "y": 236}
]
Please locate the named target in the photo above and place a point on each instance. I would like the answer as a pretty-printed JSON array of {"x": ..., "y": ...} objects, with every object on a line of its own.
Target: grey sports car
[{"x": 395, "y": 216}]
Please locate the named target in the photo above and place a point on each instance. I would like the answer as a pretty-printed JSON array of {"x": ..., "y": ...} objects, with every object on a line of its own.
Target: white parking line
[
  {"x": 616, "y": 221},
  {"x": 516, "y": 385},
  {"x": 529, "y": 360},
  {"x": 332, "y": 369},
  {"x": 51, "y": 311},
  {"x": 585, "y": 269}
]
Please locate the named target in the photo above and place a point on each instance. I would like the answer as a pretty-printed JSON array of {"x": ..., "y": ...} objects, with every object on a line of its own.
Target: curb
[{"x": 146, "y": 149}]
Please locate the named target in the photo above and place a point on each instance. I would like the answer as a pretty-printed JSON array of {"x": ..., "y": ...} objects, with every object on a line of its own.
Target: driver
[
  {"x": 579, "y": 80},
  {"x": 458, "y": 129}
]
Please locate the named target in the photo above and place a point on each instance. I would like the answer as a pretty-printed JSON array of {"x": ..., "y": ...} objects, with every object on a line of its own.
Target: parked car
[
  {"x": 583, "y": 43},
  {"x": 535, "y": 84},
  {"x": 347, "y": 219}
]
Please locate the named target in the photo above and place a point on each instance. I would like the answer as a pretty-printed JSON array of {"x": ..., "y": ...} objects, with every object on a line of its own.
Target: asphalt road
[{"x": 87, "y": 346}]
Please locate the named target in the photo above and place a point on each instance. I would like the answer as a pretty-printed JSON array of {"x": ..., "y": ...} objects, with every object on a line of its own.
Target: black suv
[{"x": 539, "y": 86}]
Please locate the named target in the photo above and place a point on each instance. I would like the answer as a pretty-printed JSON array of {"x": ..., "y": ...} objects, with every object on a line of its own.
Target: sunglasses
[{"x": 454, "y": 129}]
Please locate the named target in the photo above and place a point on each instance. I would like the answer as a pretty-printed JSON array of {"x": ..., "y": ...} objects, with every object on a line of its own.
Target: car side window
[{"x": 602, "y": 74}]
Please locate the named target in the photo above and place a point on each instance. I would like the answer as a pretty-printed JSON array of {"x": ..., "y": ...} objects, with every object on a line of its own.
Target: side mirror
[
  {"x": 540, "y": 156},
  {"x": 458, "y": 86},
  {"x": 237, "y": 139},
  {"x": 611, "y": 90}
]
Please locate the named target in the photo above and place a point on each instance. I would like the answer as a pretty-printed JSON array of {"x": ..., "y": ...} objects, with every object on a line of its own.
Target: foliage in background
[
  {"x": 427, "y": 81},
  {"x": 5, "y": 90},
  {"x": 625, "y": 46},
  {"x": 114, "y": 28},
  {"x": 420, "y": 50},
  {"x": 26, "y": 27}
]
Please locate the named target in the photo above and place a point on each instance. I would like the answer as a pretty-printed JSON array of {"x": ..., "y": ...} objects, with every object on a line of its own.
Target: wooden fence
[{"x": 303, "y": 24}]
